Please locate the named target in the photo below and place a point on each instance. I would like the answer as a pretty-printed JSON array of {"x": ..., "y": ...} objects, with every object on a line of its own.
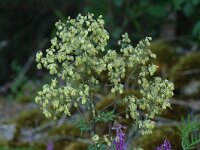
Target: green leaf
[
  {"x": 144, "y": 2},
  {"x": 60, "y": 15},
  {"x": 82, "y": 125},
  {"x": 195, "y": 2},
  {"x": 157, "y": 11},
  {"x": 118, "y": 2},
  {"x": 97, "y": 7},
  {"x": 105, "y": 116},
  {"x": 116, "y": 33},
  {"x": 196, "y": 29},
  {"x": 190, "y": 133},
  {"x": 177, "y": 4},
  {"x": 188, "y": 9},
  {"x": 95, "y": 147},
  {"x": 15, "y": 66}
]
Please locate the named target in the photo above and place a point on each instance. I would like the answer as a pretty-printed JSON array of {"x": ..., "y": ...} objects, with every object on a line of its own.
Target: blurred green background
[{"x": 27, "y": 26}]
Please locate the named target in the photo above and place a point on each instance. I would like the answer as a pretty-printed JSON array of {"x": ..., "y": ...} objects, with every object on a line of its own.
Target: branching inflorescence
[{"x": 79, "y": 55}]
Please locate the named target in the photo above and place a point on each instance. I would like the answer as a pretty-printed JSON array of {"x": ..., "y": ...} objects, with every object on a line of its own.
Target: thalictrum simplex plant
[{"x": 78, "y": 58}]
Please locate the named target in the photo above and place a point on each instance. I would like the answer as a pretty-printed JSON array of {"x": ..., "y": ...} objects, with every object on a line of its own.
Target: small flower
[
  {"x": 165, "y": 146},
  {"x": 95, "y": 138},
  {"x": 119, "y": 141},
  {"x": 50, "y": 145},
  {"x": 107, "y": 140}
]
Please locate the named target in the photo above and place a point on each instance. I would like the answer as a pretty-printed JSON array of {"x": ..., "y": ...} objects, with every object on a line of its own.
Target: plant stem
[{"x": 92, "y": 114}]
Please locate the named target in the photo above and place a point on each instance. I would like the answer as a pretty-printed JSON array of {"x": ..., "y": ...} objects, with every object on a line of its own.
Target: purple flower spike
[
  {"x": 119, "y": 141},
  {"x": 165, "y": 146},
  {"x": 50, "y": 145}
]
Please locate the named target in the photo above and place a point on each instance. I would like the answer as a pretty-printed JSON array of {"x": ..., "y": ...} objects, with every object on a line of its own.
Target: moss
[
  {"x": 23, "y": 98},
  {"x": 28, "y": 92},
  {"x": 76, "y": 146},
  {"x": 26, "y": 119},
  {"x": 60, "y": 145},
  {"x": 151, "y": 141},
  {"x": 21, "y": 145},
  {"x": 105, "y": 101},
  {"x": 65, "y": 129},
  {"x": 30, "y": 118},
  {"x": 38, "y": 146},
  {"x": 22, "y": 148},
  {"x": 3, "y": 143},
  {"x": 186, "y": 69},
  {"x": 165, "y": 53}
]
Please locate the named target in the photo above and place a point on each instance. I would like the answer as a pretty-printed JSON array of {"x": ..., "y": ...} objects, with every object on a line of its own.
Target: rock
[
  {"x": 192, "y": 89},
  {"x": 7, "y": 132},
  {"x": 7, "y": 114}
]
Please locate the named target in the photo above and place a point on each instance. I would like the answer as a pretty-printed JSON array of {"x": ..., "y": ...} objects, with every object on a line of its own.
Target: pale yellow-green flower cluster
[
  {"x": 78, "y": 54},
  {"x": 155, "y": 100},
  {"x": 95, "y": 138},
  {"x": 116, "y": 70},
  {"x": 102, "y": 140},
  {"x": 155, "y": 93},
  {"x": 56, "y": 99},
  {"x": 73, "y": 56}
]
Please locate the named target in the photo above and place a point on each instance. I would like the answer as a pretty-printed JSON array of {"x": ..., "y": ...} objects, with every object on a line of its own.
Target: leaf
[
  {"x": 190, "y": 133},
  {"x": 144, "y": 2},
  {"x": 118, "y": 2},
  {"x": 116, "y": 33},
  {"x": 60, "y": 15},
  {"x": 95, "y": 147},
  {"x": 92, "y": 147},
  {"x": 15, "y": 66},
  {"x": 196, "y": 29},
  {"x": 82, "y": 125},
  {"x": 97, "y": 7},
  {"x": 105, "y": 116},
  {"x": 188, "y": 9},
  {"x": 157, "y": 11},
  {"x": 195, "y": 2},
  {"x": 177, "y": 4}
]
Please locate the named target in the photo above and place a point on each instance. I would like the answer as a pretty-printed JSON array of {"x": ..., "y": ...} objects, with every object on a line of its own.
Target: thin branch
[
  {"x": 108, "y": 105},
  {"x": 190, "y": 72},
  {"x": 26, "y": 67},
  {"x": 192, "y": 104},
  {"x": 62, "y": 120}
]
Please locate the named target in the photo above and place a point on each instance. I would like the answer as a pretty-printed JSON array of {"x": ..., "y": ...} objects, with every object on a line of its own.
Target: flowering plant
[
  {"x": 165, "y": 146},
  {"x": 78, "y": 58},
  {"x": 119, "y": 140}
]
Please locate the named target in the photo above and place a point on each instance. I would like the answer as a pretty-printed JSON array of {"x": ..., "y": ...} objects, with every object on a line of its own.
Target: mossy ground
[
  {"x": 151, "y": 141},
  {"x": 76, "y": 146},
  {"x": 65, "y": 129}
]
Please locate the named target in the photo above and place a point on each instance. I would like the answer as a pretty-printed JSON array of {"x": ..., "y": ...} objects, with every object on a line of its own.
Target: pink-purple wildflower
[
  {"x": 165, "y": 146},
  {"x": 119, "y": 140},
  {"x": 50, "y": 145}
]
